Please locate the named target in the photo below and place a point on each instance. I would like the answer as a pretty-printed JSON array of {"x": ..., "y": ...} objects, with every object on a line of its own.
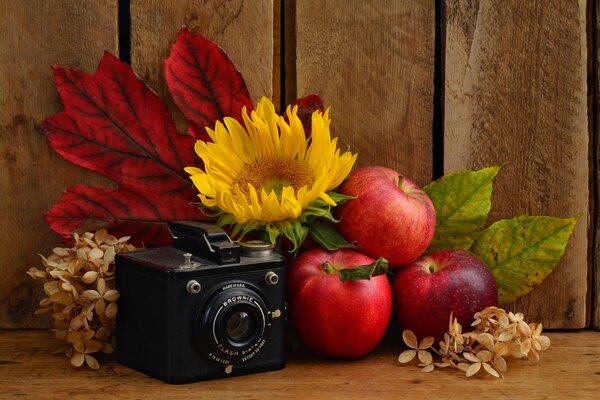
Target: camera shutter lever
[{"x": 276, "y": 314}]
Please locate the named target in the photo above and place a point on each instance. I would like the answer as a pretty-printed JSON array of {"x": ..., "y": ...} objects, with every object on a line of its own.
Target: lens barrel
[{"x": 232, "y": 326}]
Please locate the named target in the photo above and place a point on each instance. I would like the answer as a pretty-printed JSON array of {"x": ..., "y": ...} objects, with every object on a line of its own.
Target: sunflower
[{"x": 267, "y": 176}]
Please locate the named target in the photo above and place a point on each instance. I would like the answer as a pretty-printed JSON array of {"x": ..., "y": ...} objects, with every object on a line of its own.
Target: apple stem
[
  {"x": 400, "y": 181},
  {"x": 329, "y": 268}
]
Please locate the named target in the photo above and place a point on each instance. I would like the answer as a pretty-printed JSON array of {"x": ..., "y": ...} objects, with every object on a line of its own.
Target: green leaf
[
  {"x": 327, "y": 236},
  {"x": 522, "y": 251},
  {"x": 363, "y": 272},
  {"x": 462, "y": 201}
]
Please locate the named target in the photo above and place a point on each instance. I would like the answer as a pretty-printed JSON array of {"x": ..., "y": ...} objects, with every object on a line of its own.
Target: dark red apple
[
  {"x": 390, "y": 217},
  {"x": 334, "y": 318},
  {"x": 444, "y": 282}
]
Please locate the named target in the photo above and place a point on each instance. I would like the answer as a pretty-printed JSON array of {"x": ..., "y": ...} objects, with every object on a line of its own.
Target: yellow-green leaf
[
  {"x": 462, "y": 201},
  {"x": 522, "y": 251}
]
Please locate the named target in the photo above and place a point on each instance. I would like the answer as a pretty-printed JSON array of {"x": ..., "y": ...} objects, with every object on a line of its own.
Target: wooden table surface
[{"x": 570, "y": 369}]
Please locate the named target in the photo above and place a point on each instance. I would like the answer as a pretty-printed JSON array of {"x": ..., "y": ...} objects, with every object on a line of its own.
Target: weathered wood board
[
  {"x": 244, "y": 29},
  {"x": 595, "y": 166},
  {"x": 373, "y": 64},
  {"x": 516, "y": 92},
  {"x": 35, "y": 35}
]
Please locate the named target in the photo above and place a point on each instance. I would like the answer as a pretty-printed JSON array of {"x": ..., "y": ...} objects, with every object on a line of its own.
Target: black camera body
[{"x": 205, "y": 308}]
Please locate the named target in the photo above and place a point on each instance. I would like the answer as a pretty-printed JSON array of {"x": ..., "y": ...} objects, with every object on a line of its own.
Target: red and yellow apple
[{"x": 390, "y": 216}]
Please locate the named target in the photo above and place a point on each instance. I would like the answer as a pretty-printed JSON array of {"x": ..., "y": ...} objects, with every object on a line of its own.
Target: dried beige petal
[
  {"x": 89, "y": 277},
  {"x": 92, "y": 346},
  {"x": 107, "y": 348},
  {"x": 102, "y": 333},
  {"x": 442, "y": 364},
  {"x": 112, "y": 295},
  {"x": 124, "y": 239},
  {"x": 101, "y": 286},
  {"x": 500, "y": 363},
  {"x": 82, "y": 254},
  {"x": 77, "y": 359},
  {"x": 96, "y": 253},
  {"x": 485, "y": 356},
  {"x": 425, "y": 357},
  {"x": 61, "y": 252},
  {"x": 426, "y": 343},
  {"x": 407, "y": 356},
  {"x": 487, "y": 340},
  {"x": 91, "y": 362},
  {"x": 91, "y": 295},
  {"x": 471, "y": 357},
  {"x": 490, "y": 370},
  {"x": 100, "y": 306},
  {"x": 100, "y": 236},
  {"x": 463, "y": 366},
  {"x": 109, "y": 254},
  {"x": 111, "y": 310},
  {"x": 526, "y": 346},
  {"x": 76, "y": 323},
  {"x": 544, "y": 342},
  {"x": 410, "y": 339},
  {"x": 506, "y": 336},
  {"x": 428, "y": 368},
  {"x": 473, "y": 369},
  {"x": 534, "y": 356},
  {"x": 523, "y": 328}
]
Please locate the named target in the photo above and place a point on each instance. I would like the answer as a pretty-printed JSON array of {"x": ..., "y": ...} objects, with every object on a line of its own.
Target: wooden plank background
[
  {"x": 514, "y": 81},
  {"x": 516, "y": 91},
  {"x": 35, "y": 35},
  {"x": 372, "y": 63},
  {"x": 595, "y": 158},
  {"x": 244, "y": 29}
]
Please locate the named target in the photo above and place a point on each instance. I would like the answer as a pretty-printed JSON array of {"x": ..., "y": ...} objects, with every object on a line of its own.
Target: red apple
[
  {"x": 444, "y": 282},
  {"x": 334, "y": 318},
  {"x": 390, "y": 217}
]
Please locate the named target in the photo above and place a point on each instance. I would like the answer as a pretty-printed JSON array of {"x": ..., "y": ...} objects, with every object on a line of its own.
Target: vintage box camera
[{"x": 205, "y": 308}]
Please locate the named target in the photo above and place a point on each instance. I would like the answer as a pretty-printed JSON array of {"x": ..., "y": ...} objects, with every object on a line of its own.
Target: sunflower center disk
[{"x": 274, "y": 175}]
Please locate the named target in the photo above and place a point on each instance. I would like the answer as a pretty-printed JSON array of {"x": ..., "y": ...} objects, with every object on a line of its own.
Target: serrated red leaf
[
  {"x": 115, "y": 125},
  {"x": 92, "y": 207},
  {"x": 203, "y": 81}
]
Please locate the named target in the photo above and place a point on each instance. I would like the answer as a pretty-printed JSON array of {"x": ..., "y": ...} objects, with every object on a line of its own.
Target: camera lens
[{"x": 240, "y": 327}]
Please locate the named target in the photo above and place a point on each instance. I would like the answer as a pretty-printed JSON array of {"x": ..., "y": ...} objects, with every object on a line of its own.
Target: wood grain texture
[
  {"x": 35, "y": 35},
  {"x": 595, "y": 163},
  {"x": 373, "y": 63},
  {"x": 516, "y": 91},
  {"x": 243, "y": 28},
  {"x": 570, "y": 369}
]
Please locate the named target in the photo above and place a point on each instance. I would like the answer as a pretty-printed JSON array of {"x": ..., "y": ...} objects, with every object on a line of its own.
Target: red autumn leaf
[
  {"x": 115, "y": 125},
  {"x": 124, "y": 212},
  {"x": 203, "y": 81}
]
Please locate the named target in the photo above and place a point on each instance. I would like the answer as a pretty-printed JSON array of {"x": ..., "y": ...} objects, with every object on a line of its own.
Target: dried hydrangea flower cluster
[
  {"x": 496, "y": 335},
  {"x": 80, "y": 285}
]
